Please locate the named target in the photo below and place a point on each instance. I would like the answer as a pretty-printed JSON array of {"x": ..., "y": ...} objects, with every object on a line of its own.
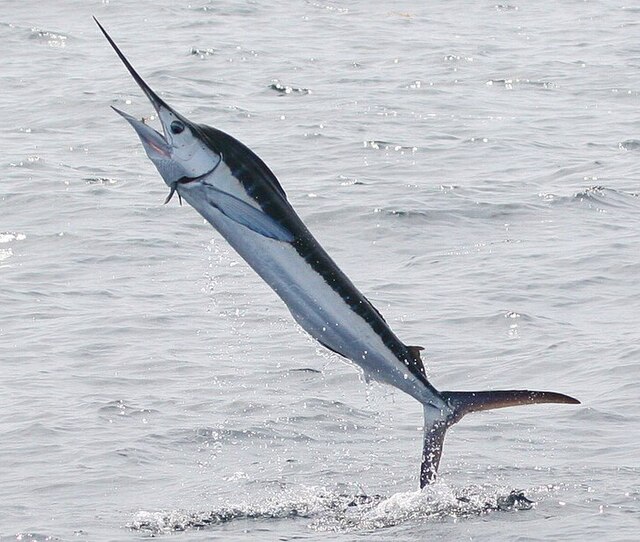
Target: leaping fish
[{"x": 235, "y": 191}]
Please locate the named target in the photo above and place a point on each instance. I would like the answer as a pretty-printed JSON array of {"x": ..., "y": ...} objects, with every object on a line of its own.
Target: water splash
[
  {"x": 337, "y": 511},
  {"x": 9, "y": 236}
]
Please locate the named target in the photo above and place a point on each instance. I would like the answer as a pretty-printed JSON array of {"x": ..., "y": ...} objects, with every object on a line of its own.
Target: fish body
[
  {"x": 236, "y": 192},
  {"x": 320, "y": 297}
]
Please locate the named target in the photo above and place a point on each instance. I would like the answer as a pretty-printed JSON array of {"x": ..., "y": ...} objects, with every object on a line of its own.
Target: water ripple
[
  {"x": 283, "y": 89},
  {"x": 630, "y": 144},
  {"x": 510, "y": 84},
  {"x": 202, "y": 53},
  {"x": 595, "y": 196},
  {"x": 52, "y": 39},
  {"x": 380, "y": 145}
]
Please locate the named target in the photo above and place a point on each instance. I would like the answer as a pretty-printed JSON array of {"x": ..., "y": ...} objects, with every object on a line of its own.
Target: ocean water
[{"x": 473, "y": 167}]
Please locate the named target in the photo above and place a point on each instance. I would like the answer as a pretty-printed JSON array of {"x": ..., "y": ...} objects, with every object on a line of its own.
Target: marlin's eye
[{"x": 177, "y": 127}]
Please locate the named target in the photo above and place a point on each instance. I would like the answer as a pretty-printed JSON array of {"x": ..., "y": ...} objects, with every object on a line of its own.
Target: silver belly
[{"x": 315, "y": 306}]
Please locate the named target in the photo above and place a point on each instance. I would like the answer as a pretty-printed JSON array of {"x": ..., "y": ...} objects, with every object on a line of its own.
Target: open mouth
[{"x": 153, "y": 141}]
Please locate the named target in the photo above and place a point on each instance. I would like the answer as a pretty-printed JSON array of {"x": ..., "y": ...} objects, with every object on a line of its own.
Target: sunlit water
[{"x": 473, "y": 167}]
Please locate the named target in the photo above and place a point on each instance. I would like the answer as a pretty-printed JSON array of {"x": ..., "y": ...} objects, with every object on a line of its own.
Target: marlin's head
[{"x": 179, "y": 153}]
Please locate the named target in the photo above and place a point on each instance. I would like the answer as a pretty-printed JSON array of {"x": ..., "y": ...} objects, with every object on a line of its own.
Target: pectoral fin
[{"x": 247, "y": 215}]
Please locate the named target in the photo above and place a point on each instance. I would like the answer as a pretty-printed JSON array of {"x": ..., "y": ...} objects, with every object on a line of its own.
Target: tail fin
[{"x": 436, "y": 422}]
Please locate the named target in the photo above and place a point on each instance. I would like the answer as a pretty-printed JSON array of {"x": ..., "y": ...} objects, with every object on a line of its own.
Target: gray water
[{"x": 474, "y": 167}]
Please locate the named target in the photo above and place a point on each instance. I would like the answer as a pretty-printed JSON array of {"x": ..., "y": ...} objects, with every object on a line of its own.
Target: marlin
[{"x": 235, "y": 191}]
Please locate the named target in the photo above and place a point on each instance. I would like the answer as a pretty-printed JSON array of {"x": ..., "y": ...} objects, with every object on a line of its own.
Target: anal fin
[{"x": 416, "y": 359}]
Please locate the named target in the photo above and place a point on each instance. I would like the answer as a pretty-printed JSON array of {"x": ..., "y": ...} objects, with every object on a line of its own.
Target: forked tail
[{"x": 436, "y": 421}]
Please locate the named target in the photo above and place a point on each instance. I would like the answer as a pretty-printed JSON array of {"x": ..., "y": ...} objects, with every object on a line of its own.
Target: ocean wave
[
  {"x": 597, "y": 196},
  {"x": 52, "y": 39},
  {"x": 120, "y": 409}
]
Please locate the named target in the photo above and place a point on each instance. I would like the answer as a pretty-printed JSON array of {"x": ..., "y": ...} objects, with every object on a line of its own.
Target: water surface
[{"x": 473, "y": 168}]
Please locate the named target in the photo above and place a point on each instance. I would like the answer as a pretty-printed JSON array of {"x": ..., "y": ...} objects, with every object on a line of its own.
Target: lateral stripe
[{"x": 263, "y": 186}]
